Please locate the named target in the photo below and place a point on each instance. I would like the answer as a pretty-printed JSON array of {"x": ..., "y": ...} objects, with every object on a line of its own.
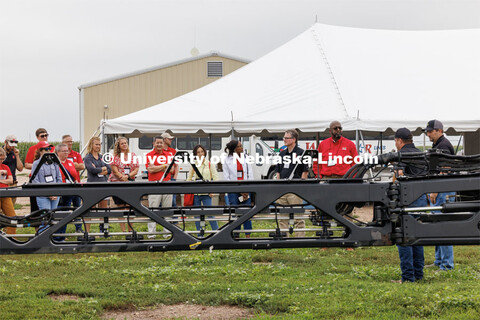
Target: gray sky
[{"x": 48, "y": 48}]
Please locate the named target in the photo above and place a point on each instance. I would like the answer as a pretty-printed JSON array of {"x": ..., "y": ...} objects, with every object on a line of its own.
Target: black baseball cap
[
  {"x": 434, "y": 125},
  {"x": 403, "y": 133}
]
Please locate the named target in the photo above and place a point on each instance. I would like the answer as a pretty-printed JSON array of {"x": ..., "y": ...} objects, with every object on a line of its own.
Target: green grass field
[{"x": 276, "y": 284}]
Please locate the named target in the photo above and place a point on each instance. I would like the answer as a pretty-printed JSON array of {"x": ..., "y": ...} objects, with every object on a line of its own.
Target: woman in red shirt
[{"x": 6, "y": 179}]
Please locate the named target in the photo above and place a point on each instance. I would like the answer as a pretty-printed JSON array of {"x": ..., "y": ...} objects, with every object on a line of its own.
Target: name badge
[
  {"x": 49, "y": 178},
  {"x": 286, "y": 166},
  {"x": 126, "y": 170}
]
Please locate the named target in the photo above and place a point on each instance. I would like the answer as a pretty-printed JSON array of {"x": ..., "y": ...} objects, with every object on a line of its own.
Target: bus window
[
  {"x": 186, "y": 143},
  {"x": 145, "y": 143}
]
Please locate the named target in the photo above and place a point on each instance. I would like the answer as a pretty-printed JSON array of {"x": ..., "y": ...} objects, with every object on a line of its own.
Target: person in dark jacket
[
  {"x": 97, "y": 169},
  {"x": 434, "y": 131},
  {"x": 412, "y": 258}
]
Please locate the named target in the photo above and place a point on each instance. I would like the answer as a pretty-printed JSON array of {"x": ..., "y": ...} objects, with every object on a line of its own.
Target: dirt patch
[
  {"x": 64, "y": 297},
  {"x": 182, "y": 311}
]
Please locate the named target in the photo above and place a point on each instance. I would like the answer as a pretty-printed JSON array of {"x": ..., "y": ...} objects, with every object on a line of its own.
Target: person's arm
[
  {"x": 78, "y": 163},
  {"x": 29, "y": 159},
  {"x": 353, "y": 151},
  {"x": 225, "y": 169},
  {"x": 117, "y": 174},
  {"x": 19, "y": 164},
  {"x": 58, "y": 175},
  {"x": 107, "y": 167},
  {"x": 36, "y": 179},
  {"x": 154, "y": 168},
  {"x": 304, "y": 175},
  {"x": 9, "y": 178},
  {"x": 91, "y": 166},
  {"x": 133, "y": 173}
]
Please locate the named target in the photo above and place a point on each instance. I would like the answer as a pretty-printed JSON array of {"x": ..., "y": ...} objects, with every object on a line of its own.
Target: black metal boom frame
[{"x": 392, "y": 221}]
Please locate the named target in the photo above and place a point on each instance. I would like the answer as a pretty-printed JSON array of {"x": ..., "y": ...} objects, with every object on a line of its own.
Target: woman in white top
[
  {"x": 234, "y": 169},
  {"x": 208, "y": 172}
]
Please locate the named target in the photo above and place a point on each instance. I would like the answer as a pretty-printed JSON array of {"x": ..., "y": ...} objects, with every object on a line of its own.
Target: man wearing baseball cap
[
  {"x": 12, "y": 160},
  {"x": 412, "y": 258},
  {"x": 167, "y": 145},
  {"x": 434, "y": 131}
]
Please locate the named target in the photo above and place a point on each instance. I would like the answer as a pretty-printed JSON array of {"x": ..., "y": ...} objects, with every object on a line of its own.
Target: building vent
[{"x": 214, "y": 68}]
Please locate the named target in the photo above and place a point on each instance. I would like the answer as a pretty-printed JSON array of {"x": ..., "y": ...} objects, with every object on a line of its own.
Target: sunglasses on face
[
  {"x": 12, "y": 141},
  {"x": 46, "y": 149},
  {"x": 43, "y": 135},
  {"x": 337, "y": 128}
]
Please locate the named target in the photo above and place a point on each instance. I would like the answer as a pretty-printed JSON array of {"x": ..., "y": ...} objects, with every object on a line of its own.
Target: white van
[{"x": 252, "y": 145}]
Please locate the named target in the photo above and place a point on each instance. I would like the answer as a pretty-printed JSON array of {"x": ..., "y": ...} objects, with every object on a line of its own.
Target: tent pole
[
  {"x": 233, "y": 133},
  {"x": 102, "y": 136},
  {"x": 357, "y": 142},
  {"x": 458, "y": 145},
  {"x": 210, "y": 146},
  {"x": 381, "y": 143}
]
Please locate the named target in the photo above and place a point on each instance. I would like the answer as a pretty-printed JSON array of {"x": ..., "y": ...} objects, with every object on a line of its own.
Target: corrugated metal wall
[{"x": 133, "y": 93}]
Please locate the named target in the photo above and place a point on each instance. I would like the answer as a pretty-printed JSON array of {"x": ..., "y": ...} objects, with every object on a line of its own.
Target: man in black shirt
[
  {"x": 443, "y": 254},
  {"x": 412, "y": 258},
  {"x": 12, "y": 160},
  {"x": 291, "y": 167}
]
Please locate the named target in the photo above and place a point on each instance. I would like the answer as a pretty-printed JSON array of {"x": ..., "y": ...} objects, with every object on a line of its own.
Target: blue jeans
[
  {"x": 444, "y": 254},
  {"x": 67, "y": 201},
  {"x": 46, "y": 203},
  {"x": 412, "y": 259},
  {"x": 206, "y": 201},
  {"x": 233, "y": 201}
]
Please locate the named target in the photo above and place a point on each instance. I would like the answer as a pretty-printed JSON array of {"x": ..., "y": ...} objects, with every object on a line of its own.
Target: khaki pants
[
  {"x": 154, "y": 200},
  {"x": 7, "y": 207},
  {"x": 291, "y": 199}
]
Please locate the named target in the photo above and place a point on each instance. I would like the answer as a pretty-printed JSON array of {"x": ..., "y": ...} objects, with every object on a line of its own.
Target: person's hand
[
  {"x": 124, "y": 177},
  {"x": 244, "y": 195},
  {"x": 16, "y": 151},
  {"x": 53, "y": 197},
  {"x": 433, "y": 197},
  {"x": 104, "y": 171},
  {"x": 211, "y": 195}
]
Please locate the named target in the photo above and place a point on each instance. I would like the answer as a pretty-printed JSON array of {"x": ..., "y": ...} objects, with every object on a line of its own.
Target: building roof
[{"x": 170, "y": 64}]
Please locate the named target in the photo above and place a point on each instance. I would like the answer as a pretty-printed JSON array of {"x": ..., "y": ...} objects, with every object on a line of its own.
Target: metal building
[{"x": 117, "y": 96}]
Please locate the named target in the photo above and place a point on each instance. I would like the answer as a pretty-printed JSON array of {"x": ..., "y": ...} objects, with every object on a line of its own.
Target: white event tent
[{"x": 370, "y": 80}]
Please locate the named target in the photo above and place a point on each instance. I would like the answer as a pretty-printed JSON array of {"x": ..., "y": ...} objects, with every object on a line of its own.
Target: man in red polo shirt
[
  {"x": 336, "y": 145},
  {"x": 41, "y": 135},
  {"x": 167, "y": 146},
  {"x": 157, "y": 162}
]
